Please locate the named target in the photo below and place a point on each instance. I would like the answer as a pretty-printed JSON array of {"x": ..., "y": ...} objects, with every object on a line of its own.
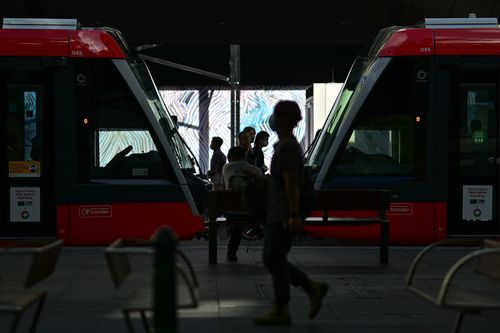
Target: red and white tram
[
  {"x": 419, "y": 115},
  {"x": 89, "y": 152}
]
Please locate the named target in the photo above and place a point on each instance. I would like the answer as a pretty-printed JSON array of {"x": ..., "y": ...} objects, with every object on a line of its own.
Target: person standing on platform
[
  {"x": 261, "y": 141},
  {"x": 250, "y": 155},
  {"x": 216, "y": 162},
  {"x": 283, "y": 219},
  {"x": 251, "y": 132},
  {"x": 244, "y": 142}
]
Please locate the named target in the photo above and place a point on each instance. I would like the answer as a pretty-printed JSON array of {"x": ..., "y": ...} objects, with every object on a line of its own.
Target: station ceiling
[{"x": 282, "y": 42}]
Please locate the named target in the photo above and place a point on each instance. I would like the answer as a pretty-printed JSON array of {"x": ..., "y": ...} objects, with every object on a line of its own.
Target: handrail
[
  {"x": 194, "y": 300},
  {"x": 129, "y": 250},
  {"x": 143, "y": 251},
  {"x": 457, "y": 266},
  {"x": 428, "y": 248},
  {"x": 190, "y": 266},
  {"x": 30, "y": 250}
]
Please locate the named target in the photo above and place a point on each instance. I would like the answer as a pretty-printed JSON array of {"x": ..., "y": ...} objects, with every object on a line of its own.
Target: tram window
[
  {"x": 477, "y": 128},
  {"x": 114, "y": 130},
  {"x": 23, "y": 123},
  {"x": 388, "y": 136}
]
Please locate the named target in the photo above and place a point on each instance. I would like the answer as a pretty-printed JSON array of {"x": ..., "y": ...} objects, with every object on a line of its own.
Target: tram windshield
[
  {"x": 143, "y": 75},
  {"x": 354, "y": 83}
]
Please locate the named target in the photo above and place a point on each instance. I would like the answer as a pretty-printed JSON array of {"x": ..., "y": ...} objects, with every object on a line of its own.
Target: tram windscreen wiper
[{"x": 192, "y": 155}]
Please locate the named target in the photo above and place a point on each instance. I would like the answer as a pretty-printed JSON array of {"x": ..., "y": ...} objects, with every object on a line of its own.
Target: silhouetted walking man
[{"x": 283, "y": 218}]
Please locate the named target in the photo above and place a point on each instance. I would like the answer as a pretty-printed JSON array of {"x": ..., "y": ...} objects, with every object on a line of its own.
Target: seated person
[
  {"x": 237, "y": 168},
  {"x": 234, "y": 177}
]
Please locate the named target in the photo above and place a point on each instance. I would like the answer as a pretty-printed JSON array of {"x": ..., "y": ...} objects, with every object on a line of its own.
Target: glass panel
[
  {"x": 141, "y": 71},
  {"x": 388, "y": 138},
  {"x": 24, "y": 149},
  {"x": 121, "y": 143},
  {"x": 328, "y": 133},
  {"x": 478, "y": 135}
]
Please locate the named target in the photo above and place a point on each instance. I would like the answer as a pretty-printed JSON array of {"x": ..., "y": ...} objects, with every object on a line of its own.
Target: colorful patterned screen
[{"x": 205, "y": 112}]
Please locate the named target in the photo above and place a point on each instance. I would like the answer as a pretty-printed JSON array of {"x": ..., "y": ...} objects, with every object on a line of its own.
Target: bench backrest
[
  {"x": 353, "y": 200},
  {"x": 43, "y": 263},
  {"x": 329, "y": 200},
  {"x": 223, "y": 201},
  {"x": 118, "y": 264},
  {"x": 489, "y": 265}
]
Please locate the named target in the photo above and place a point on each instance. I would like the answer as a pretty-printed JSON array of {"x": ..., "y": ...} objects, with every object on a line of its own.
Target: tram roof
[
  {"x": 468, "y": 36},
  {"x": 59, "y": 38}
]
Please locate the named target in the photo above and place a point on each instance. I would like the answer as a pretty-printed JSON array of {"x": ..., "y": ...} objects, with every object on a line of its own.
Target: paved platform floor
[{"x": 364, "y": 296}]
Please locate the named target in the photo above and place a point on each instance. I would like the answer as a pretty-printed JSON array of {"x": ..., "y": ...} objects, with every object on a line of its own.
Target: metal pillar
[
  {"x": 234, "y": 81},
  {"x": 164, "y": 284}
]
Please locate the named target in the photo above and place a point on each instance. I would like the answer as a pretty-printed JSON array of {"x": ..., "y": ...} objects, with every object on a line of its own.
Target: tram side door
[
  {"x": 26, "y": 197},
  {"x": 473, "y": 152}
]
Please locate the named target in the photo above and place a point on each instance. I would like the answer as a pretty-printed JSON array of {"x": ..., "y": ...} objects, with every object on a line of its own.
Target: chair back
[
  {"x": 489, "y": 265},
  {"x": 118, "y": 263},
  {"x": 43, "y": 263}
]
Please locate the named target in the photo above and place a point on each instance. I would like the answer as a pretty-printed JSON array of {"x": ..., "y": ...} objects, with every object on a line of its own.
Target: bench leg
[
  {"x": 458, "y": 322},
  {"x": 39, "y": 307},
  {"x": 15, "y": 322},
  {"x": 212, "y": 243},
  {"x": 128, "y": 321},
  {"x": 384, "y": 242},
  {"x": 145, "y": 322}
]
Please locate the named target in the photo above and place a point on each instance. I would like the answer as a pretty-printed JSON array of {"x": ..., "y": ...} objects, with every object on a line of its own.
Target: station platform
[{"x": 364, "y": 296}]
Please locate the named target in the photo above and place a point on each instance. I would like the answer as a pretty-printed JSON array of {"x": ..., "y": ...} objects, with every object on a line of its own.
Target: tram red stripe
[{"x": 101, "y": 224}]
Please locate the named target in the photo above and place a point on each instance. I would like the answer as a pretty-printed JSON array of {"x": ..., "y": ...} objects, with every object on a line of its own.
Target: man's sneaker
[
  {"x": 275, "y": 317},
  {"x": 231, "y": 256},
  {"x": 319, "y": 291}
]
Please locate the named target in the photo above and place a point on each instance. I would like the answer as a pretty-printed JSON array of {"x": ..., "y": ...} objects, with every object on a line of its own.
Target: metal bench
[
  {"x": 452, "y": 294},
  {"x": 178, "y": 295},
  {"x": 351, "y": 202},
  {"x": 224, "y": 204},
  {"x": 43, "y": 262}
]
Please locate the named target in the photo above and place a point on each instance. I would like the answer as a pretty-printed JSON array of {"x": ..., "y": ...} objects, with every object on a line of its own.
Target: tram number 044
[{"x": 425, "y": 50}]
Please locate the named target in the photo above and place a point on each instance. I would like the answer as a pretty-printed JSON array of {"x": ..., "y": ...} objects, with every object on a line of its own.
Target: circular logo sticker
[
  {"x": 477, "y": 212},
  {"x": 25, "y": 214}
]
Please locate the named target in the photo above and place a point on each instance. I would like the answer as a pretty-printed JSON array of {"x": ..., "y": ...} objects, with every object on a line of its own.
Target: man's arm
[{"x": 293, "y": 195}]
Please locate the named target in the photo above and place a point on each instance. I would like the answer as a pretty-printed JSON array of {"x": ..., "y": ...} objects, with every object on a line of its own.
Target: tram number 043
[{"x": 77, "y": 53}]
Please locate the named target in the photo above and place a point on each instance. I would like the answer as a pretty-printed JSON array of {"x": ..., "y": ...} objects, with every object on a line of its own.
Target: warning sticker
[
  {"x": 24, "y": 169},
  {"x": 477, "y": 203},
  {"x": 95, "y": 211},
  {"x": 24, "y": 204}
]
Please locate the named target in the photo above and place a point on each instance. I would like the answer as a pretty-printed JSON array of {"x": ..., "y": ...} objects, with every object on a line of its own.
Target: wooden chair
[
  {"x": 451, "y": 294},
  {"x": 43, "y": 263},
  {"x": 118, "y": 261}
]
